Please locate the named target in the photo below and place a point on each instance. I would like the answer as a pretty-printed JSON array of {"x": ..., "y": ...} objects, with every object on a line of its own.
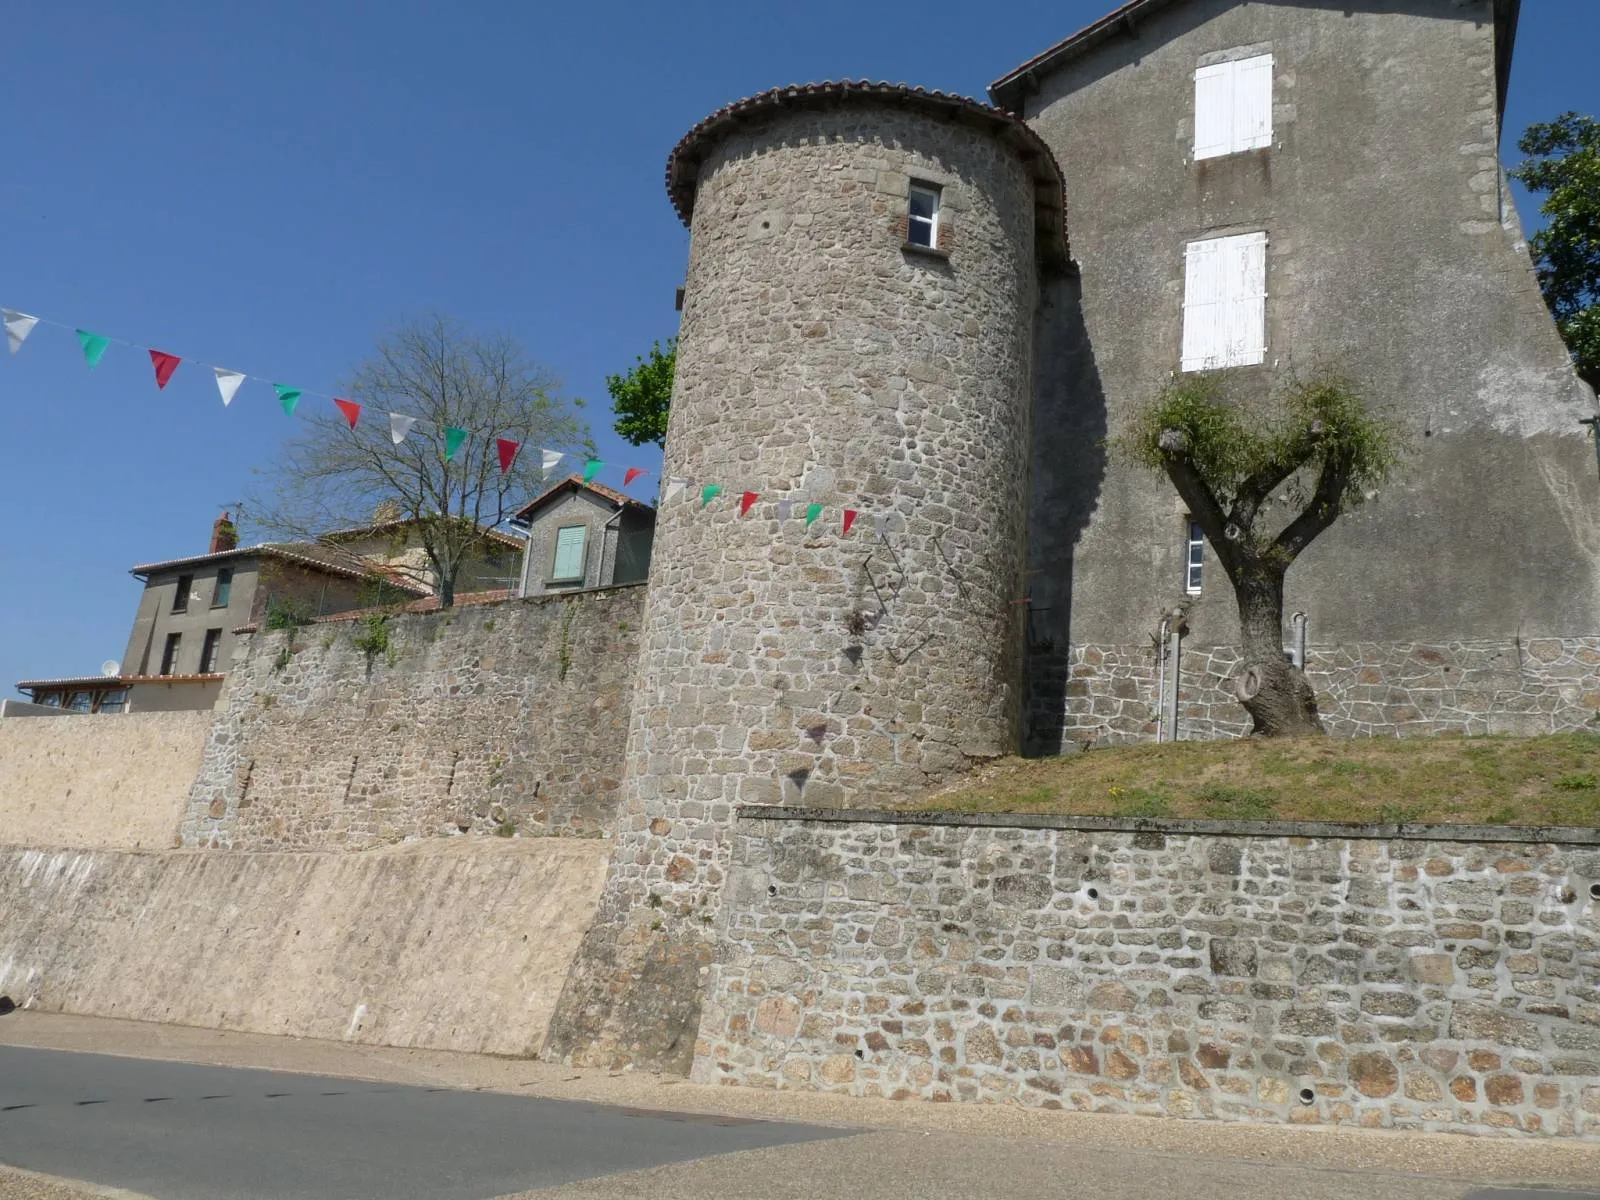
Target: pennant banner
[
  {"x": 675, "y": 484},
  {"x": 709, "y": 493},
  {"x": 746, "y": 500},
  {"x": 880, "y": 525},
  {"x": 454, "y": 437},
  {"x": 399, "y": 426},
  {"x": 94, "y": 347},
  {"x": 350, "y": 409},
  {"x": 813, "y": 511},
  {"x": 288, "y": 397},
  {"x": 508, "y": 452},
  {"x": 550, "y": 459},
  {"x": 18, "y": 327},
  {"x": 785, "y": 509},
  {"x": 632, "y": 474},
  {"x": 228, "y": 384},
  {"x": 591, "y": 469},
  {"x": 165, "y": 364},
  {"x": 849, "y": 520}
]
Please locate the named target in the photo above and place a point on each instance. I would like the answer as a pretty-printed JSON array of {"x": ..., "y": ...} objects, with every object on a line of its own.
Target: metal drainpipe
[
  {"x": 1161, "y": 682},
  {"x": 1176, "y": 639},
  {"x": 1299, "y": 652}
]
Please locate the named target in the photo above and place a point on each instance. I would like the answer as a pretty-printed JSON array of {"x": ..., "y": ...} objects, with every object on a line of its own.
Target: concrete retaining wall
[
  {"x": 459, "y": 945},
  {"x": 1313, "y": 975},
  {"x": 114, "y": 782}
]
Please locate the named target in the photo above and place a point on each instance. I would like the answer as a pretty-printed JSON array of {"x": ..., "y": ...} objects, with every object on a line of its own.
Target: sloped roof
[
  {"x": 383, "y": 527},
  {"x": 1011, "y": 89},
  {"x": 525, "y": 513},
  {"x": 310, "y": 555},
  {"x": 683, "y": 164}
]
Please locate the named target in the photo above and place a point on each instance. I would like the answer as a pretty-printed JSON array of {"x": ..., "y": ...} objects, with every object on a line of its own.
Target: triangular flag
[
  {"x": 813, "y": 511},
  {"x": 675, "y": 484},
  {"x": 746, "y": 500},
  {"x": 549, "y": 460},
  {"x": 507, "y": 450},
  {"x": 94, "y": 347},
  {"x": 591, "y": 469},
  {"x": 880, "y": 525},
  {"x": 165, "y": 364},
  {"x": 849, "y": 520},
  {"x": 454, "y": 437},
  {"x": 350, "y": 409},
  {"x": 18, "y": 327},
  {"x": 399, "y": 426},
  {"x": 632, "y": 474},
  {"x": 709, "y": 493},
  {"x": 228, "y": 383},
  {"x": 288, "y": 397},
  {"x": 785, "y": 509}
]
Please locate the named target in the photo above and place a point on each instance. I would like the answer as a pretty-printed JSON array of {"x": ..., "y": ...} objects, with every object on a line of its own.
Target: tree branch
[{"x": 1322, "y": 511}]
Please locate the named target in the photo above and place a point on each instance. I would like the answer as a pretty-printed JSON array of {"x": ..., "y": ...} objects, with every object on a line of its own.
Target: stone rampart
[
  {"x": 1443, "y": 979},
  {"x": 497, "y": 718},
  {"x": 110, "y": 782},
  {"x": 458, "y": 945},
  {"x": 1526, "y": 687}
]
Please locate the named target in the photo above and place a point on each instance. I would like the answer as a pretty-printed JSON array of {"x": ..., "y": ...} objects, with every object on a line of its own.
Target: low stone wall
[
  {"x": 458, "y": 945},
  {"x": 113, "y": 781},
  {"x": 489, "y": 719},
  {"x": 1434, "y": 979},
  {"x": 1547, "y": 685}
]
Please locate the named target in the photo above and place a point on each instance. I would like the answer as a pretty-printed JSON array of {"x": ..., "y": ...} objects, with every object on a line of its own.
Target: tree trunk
[
  {"x": 1275, "y": 692},
  {"x": 447, "y": 590}
]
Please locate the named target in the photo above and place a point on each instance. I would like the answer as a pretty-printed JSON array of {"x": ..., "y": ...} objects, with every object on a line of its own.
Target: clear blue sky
[{"x": 269, "y": 186}]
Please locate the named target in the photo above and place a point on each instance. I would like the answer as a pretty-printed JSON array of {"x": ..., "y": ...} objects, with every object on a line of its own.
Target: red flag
[
  {"x": 165, "y": 365},
  {"x": 508, "y": 452},
  {"x": 350, "y": 409},
  {"x": 746, "y": 500},
  {"x": 849, "y": 520},
  {"x": 633, "y": 473}
]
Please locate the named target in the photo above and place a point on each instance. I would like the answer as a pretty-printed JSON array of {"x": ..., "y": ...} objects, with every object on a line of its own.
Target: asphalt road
[{"x": 183, "y": 1132}]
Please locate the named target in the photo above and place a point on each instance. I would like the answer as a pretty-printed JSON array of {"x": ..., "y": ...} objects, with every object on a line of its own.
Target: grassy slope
[{"x": 1482, "y": 780}]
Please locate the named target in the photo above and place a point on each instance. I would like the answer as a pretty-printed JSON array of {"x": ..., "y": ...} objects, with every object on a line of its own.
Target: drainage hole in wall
[
  {"x": 1307, "y": 1096},
  {"x": 1094, "y": 893},
  {"x": 861, "y": 1053},
  {"x": 772, "y": 889},
  {"x": 1594, "y": 891}
]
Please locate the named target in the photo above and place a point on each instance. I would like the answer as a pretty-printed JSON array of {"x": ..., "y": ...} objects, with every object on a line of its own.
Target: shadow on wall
[{"x": 1068, "y": 470}]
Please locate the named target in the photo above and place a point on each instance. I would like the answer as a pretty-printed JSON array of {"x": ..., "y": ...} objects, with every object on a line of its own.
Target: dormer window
[
  {"x": 1233, "y": 107},
  {"x": 922, "y": 215}
]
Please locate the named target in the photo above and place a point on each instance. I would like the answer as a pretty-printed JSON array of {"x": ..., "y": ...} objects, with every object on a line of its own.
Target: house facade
[
  {"x": 492, "y": 565},
  {"x": 583, "y": 535}
]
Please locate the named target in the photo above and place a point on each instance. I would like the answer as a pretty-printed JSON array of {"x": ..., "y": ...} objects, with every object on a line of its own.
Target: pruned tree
[
  {"x": 1316, "y": 449},
  {"x": 334, "y": 477},
  {"x": 642, "y": 396},
  {"x": 1564, "y": 166}
]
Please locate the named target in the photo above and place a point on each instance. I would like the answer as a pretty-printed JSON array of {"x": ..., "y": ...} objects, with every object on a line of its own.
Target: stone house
[
  {"x": 396, "y": 543},
  {"x": 583, "y": 535}
]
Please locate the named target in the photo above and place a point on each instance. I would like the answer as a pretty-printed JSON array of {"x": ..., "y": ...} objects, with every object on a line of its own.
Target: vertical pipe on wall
[
  {"x": 1161, "y": 682},
  {"x": 1175, "y": 644}
]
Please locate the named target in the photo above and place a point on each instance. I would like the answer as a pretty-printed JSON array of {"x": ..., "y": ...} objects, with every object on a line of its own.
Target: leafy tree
[
  {"x": 1564, "y": 165},
  {"x": 1316, "y": 449},
  {"x": 332, "y": 477},
  {"x": 642, "y": 397}
]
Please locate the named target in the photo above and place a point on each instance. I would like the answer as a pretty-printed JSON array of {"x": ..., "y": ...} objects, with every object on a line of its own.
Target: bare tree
[
  {"x": 1317, "y": 450},
  {"x": 333, "y": 476}
]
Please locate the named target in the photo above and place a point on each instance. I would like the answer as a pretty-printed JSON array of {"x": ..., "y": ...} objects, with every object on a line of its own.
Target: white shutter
[
  {"x": 1213, "y": 111},
  {"x": 1225, "y": 303},
  {"x": 569, "y": 553},
  {"x": 1252, "y": 103}
]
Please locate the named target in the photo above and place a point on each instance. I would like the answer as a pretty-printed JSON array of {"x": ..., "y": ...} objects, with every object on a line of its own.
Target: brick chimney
[{"x": 223, "y": 535}]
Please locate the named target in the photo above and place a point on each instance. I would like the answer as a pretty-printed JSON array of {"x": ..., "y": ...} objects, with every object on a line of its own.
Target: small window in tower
[
  {"x": 1196, "y": 559},
  {"x": 922, "y": 216}
]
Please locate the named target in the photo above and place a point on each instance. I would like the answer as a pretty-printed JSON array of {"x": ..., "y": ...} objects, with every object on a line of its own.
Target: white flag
[
  {"x": 880, "y": 525},
  {"x": 551, "y": 458},
  {"x": 785, "y": 507},
  {"x": 399, "y": 426},
  {"x": 18, "y": 327},
  {"x": 228, "y": 383},
  {"x": 675, "y": 484}
]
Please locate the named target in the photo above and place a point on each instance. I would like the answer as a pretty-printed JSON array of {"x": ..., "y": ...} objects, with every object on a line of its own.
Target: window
[
  {"x": 570, "y": 545},
  {"x": 79, "y": 702},
  {"x": 208, "y": 651},
  {"x": 922, "y": 216},
  {"x": 180, "y": 598},
  {"x": 1225, "y": 303},
  {"x": 1197, "y": 558},
  {"x": 1233, "y": 107},
  {"x": 223, "y": 592},
  {"x": 169, "y": 656},
  {"x": 48, "y": 699},
  {"x": 113, "y": 702}
]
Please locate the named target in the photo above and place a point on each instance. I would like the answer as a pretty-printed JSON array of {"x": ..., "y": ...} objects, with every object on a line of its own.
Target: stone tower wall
[{"x": 819, "y": 360}]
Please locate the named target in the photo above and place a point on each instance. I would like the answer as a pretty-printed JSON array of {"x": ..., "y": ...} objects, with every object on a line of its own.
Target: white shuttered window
[
  {"x": 1233, "y": 107},
  {"x": 1225, "y": 303}
]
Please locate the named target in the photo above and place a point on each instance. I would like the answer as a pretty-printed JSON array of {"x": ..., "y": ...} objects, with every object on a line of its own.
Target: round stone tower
[{"x": 857, "y": 334}]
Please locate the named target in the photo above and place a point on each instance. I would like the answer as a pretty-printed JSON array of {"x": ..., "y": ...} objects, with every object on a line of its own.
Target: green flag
[
  {"x": 94, "y": 347},
  {"x": 453, "y": 440},
  {"x": 813, "y": 511},
  {"x": 709, "y": 493},
  {"x": 288, "y": 397},
  {"x": 591, "y": 469}
]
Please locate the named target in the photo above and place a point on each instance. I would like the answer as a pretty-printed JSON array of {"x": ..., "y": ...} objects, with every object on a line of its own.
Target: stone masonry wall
[
  {"x": 1432, "y": 979},
  {"x": 483, "y": 719},
  {"x": 1544, "y": 685}
]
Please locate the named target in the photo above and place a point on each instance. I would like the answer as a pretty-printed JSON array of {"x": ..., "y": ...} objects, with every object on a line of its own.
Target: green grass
[{"x": 1445, "y": 780}]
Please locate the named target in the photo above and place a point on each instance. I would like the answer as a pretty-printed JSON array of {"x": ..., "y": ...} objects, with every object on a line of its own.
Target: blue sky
[{"x": 270, "y": 186}]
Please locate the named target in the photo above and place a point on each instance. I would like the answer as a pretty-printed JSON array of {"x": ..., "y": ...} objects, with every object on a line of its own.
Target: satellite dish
[{"x": 111, "y": 668}]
